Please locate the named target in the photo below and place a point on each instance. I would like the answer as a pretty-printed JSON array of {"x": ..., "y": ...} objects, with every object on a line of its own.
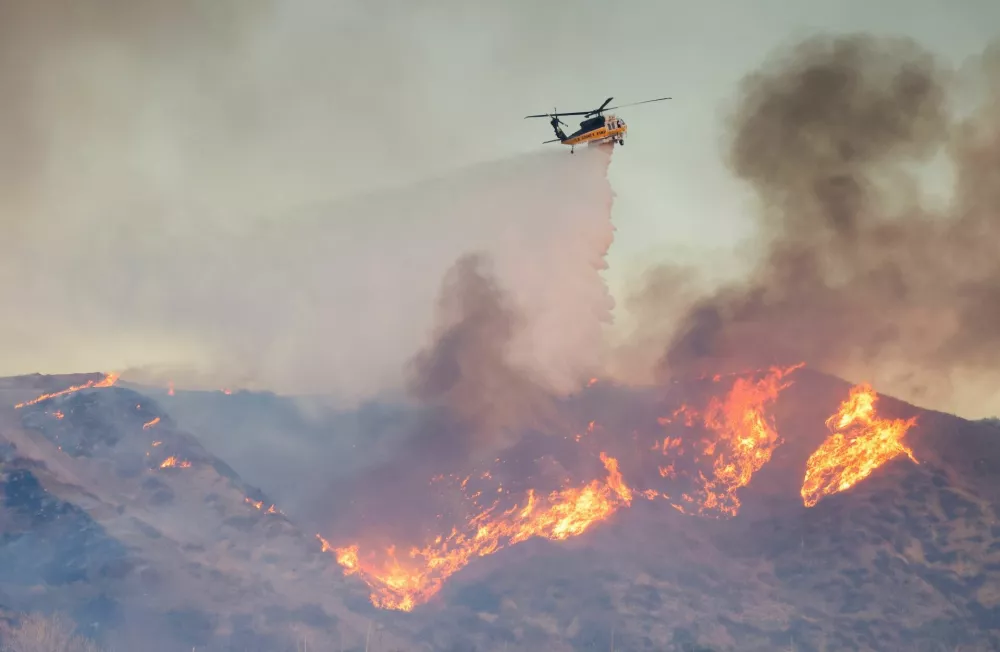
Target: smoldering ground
[{"x": 860, "y": 274}]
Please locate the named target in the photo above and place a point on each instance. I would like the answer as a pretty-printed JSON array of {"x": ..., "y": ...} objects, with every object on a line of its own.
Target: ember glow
[
  {"x": 108, "y": 381},
  {"x": 860, "y": 443},
  {"x": 150, "y": 424},
  {"x": 172, "y": 462}
]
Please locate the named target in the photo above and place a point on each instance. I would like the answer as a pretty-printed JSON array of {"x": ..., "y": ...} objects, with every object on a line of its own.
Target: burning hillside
[
  {"x": 778, "y": 504},
  {"x": 618, "y": 480},
  {"x": 701, "y": 458},
  {"x": 860, "y": 443},
  {"x": 107, "y": 381}
]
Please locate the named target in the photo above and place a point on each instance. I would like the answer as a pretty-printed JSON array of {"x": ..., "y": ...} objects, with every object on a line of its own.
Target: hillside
[
  {"x": 905, "y": 559},
  {"x": 114, "y": 515}
]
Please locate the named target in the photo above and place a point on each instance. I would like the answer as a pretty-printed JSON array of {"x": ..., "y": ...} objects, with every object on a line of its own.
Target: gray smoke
[
  {"x": 861, "y": 275},
  {"x": 466, "y": 373},
  {"x": 472, "y": 400}
]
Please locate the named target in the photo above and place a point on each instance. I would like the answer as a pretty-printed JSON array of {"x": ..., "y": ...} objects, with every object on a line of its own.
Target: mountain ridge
[
  {"x": 905, "y": 559},
  {"x": 176, "y": 518}
]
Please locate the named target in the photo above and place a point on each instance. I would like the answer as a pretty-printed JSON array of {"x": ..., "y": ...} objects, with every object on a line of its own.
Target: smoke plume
[
  {"x": 473, "y": 402},
  {"x": 466, "y": 373},
  {"x": 861, "y": 274}
]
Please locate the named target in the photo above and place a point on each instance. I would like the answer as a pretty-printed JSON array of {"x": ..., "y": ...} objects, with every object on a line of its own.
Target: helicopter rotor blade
[
  {"x": 597, "y": 111},
  {"x": 659, "y": 99},
  {"x": 556, "y": 115},
  {"x": 600, "y": 109}
]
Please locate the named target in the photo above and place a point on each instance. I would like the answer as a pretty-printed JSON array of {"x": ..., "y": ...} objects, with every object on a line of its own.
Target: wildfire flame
[
  {"x": 259, "y": 505},
  {"x": 108, "y": 381},
  {"x": 744, "y": 442},
  {"x": 403, "y": 582},
  {"x": 172, "y": 462},
  {"x": 746, "y": 439},
  {"x": 860, "y": 443},
  {"x": 150, "y": 424},
  {"x": 739, "y": 439}
]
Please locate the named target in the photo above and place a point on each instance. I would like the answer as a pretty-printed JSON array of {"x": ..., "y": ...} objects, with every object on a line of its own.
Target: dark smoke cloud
[
  {"x": 472, "y": 400},
  {"x": 465, "y": 375},
  {"x": 859, "y": 274}
]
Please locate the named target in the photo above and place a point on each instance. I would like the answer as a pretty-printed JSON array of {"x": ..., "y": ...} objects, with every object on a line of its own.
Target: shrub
[{"x": 41, "y": 633}]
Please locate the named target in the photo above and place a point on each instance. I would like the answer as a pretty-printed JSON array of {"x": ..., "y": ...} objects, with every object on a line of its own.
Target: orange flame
[
  {"x": 150, "y": 424},
  {"x": 743, "y": 440},
  {"x": 259, "y": 505},
  {"x": 860, "y": 443},
  {"x": 108, "y": 381},
  {"x": 747, "y": 439},
  {"x": 689, "y": 413},
  {"x": 402, "y": 583},
  {"x": 172, "y": 462}
]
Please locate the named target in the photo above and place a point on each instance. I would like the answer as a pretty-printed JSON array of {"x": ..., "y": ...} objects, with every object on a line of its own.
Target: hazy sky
[
  {"x": 675, "y": 198},
  {"x": 142, "y": 118},
  {"x": 335, "y": 98},
  {"x": 473, "y": 70}
]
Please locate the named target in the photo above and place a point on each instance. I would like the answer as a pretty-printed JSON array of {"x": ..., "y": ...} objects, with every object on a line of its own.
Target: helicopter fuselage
[{"x": 599, "y": 129}]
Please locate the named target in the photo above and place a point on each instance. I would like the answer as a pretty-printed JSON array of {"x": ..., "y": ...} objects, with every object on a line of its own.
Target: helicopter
[{"x": 596, "y": 128}]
